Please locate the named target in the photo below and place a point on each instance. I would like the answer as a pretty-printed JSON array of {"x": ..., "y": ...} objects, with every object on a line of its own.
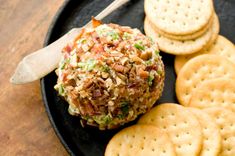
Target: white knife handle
[
  {"x": 41, "y": 62},
  {"x": 113, "y": 6}
]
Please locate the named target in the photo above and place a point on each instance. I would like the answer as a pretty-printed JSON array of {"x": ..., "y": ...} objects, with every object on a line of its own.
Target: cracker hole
[
  {"x": 162, "y": 117},
  {"x": 190, "y": 144},
  {"x": 144, "y": 138},
  {"x": 151, "y": 120},
  {"x": 176, "y": 12},
  {"x": 172, "y": 114},
  {"x": 189, "y": 6},
  {"x": 208, "y": 149},
  {"x": 177, "y": 135},
  {"x": 131, "y": 146},
  {"x": 153, "y": 149},
  {"x": 133, "y": 136},
  {"x": 164, "y": 151},
  {"x": 197, "y": 18},
  {"x": 178, "y": 146},
  {"x": 175, "y": 125},
  {"x": 155, "y": 139},
  {"x": 178, "y": 4},
  {"x": 225, "y": 139},
  {"x": 228, "y": 149},
  {"x": 142, "y": 147},
  {"x": 207, "y": 138},
  {"x": 164, "y": 127},
  {"x": 187, "y": 133}
]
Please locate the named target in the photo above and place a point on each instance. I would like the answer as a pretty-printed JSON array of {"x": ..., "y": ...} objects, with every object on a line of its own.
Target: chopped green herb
[
  {"x": 105, "y": 68},
  {"x": 159, "y": 72},
  {"x": 126, "y": 36},
  {"x": 150, "y": 79},
  {"x": 125, "y": 108},
  {"x": 103, "y": 119},
  {"x": 138, "y": 46},
  {"x": 64, "y": 62},
  {"x": 149, "y": 62},
  {"x": 61, "y": 90},
  {"x": 88, "y": 65},
  {"x": 157, "y": 52},
  {"x": 150, "y": 38},
  {"x": 107, "y": 119},
  {"x": 114, "y": 35}
]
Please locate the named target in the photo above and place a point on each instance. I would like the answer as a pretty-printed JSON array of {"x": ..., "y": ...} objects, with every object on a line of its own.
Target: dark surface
[{"x": 90, "y": 141}]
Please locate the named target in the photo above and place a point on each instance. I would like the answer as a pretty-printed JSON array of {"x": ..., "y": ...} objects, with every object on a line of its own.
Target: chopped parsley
[
  {"x": 150, "y": 79},
  {"x": 64, "y": 62},
  {"x": 105, "y": 68},
  {"x": 125, "y": 107},
  {"x": 114, "y": 35},
  {"x": 126, "y": 36},
  {"x": 103, "y": 119},
  {"x": 156, "y": 52},
  {"x": 148, "y": 62},
  {"x": 139, "y": 46},
  {"x": 61, "y": 90},
  {"x": 88, "y": 65}
]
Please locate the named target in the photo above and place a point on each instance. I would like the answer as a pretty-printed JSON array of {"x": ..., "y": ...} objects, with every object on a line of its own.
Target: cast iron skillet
[{"x": 75, "y": 13}]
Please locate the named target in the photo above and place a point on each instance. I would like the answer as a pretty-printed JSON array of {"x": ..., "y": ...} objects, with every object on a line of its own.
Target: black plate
[{"x": 75, "y": 13}]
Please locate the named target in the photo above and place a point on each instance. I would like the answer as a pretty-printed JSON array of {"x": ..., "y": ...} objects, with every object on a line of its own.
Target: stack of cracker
[
  {"x": 170, "y": 129},
  {"x": 181, "y": 27}
]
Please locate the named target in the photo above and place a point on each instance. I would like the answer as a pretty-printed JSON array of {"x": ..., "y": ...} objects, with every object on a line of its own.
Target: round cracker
[
  {"x": 199, "y": 69},
  {"x": 185, "y": 37},
  {"x": 179, "y": 17},
  {"x": 221, "y": 46},
  {"x": 177, "y": 47},
  {"x": 211, "y": 133},
  {"x": 182, "y": 127},
  {"x": 225, "y": 119},
  {"x": 216, "y": 92},
  {"x": 140, "y": 140}
]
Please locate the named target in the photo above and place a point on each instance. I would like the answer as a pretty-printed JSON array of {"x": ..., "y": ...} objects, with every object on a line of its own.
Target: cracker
[
  {"x": 199, "y": 69},
  {"x": 182, "y": 127},
  {"x": 185, "y": 37},
  {"x": 140, "y": 140},
  {"x": 211, "y": 133},
  {"x": 177, "y": 47},
  {"x": 179, "y": 17},
  {"x": 216, "y": 92},
  {"x": 221, "y": 46},
  {"x": 225, "y": 119}
]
